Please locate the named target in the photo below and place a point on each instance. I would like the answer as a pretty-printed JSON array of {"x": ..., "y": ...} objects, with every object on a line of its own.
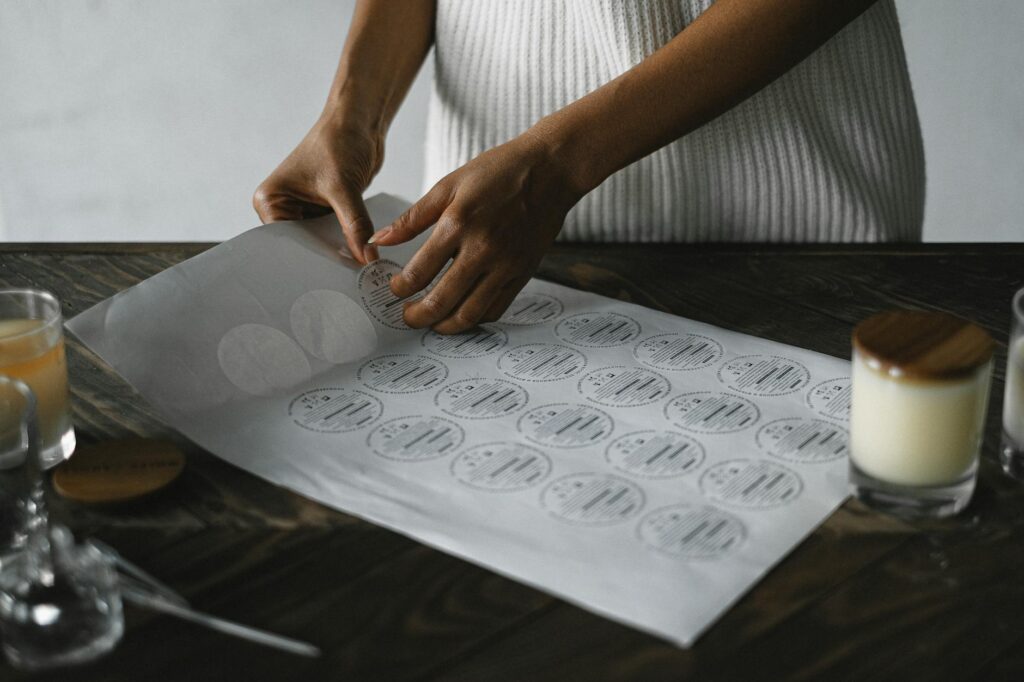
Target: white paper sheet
[{"x": 647, "y": 467}]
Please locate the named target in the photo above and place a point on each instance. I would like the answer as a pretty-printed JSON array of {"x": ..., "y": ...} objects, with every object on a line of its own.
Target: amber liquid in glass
[{"x": 28, "y": 354}]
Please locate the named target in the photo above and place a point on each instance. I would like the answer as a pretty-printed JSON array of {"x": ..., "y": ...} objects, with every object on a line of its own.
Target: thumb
[
  {"x": 416, "y": 219},
  {"x": 355, "y": 222}
]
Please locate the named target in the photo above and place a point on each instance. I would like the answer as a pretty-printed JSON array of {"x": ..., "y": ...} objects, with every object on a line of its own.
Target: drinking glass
[
  {"x": 60, "y": 603},
  {"x": 17, "y": 417},
  {"x": 32, "y": 350}
]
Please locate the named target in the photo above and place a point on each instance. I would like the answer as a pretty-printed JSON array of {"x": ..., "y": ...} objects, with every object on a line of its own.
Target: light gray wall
[
  {"x": 146, "y": 120},
  {"x": 967, "y": 66}
]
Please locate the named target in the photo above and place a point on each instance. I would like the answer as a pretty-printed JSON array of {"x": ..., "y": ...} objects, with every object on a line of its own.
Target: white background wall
[{"x": 147, "y": 120}]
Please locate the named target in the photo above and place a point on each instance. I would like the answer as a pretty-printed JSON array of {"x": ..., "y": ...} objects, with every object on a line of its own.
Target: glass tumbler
[
  {"x": 920, "y": 397},
  {"x": 32, "y": 350},
  {"x": 1012, "y": 451}
]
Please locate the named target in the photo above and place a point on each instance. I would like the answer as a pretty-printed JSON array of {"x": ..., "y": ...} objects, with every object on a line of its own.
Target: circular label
[
  {"x": 477, "y": 342},
  {"x": 691, "y": 532},
  {"x": 803, "y": 440},
  {"x": 565, "y": 425},
  {"x": 529, "y": 309},
  {"x": 764, "y": 375},
  {"x": 655, "y": 454},
  {"x": 332, "y": 327},
  {"x": 598, "y": 330},
  {"x": 501, "y": 467},
  {"x": 751, "y": 483},
  {"x": 261, "y": 360},
  {"x": 415, "y": 438},
  {"x": 402, "y": 373},
  {"x": 541, "y": 362},
  {"x": 678, "y": 351},
  {"x": 710, "y": 412},
  {"x": 832, "y": 398},
  {"x": 334, "y": 410},
  {"x": 592, "y": 499},
  {"x": 623, "y": 386},
  {"x": 374, "y": 283},
  {"x": 481, "y": 398}
]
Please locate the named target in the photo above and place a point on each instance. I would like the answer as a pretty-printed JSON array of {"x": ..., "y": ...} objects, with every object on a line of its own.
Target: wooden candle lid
[
  {"x": 922, "y": 345},
  {"x": 118, "y": 471}
]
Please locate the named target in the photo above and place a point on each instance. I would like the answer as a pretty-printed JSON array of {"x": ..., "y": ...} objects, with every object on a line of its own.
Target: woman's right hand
[{"x": 328, "y": 171}]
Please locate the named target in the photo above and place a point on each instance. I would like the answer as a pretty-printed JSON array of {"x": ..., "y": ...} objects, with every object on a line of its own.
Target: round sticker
[
  {"x": 598, "y": 330},
  {"x": 831, "y": 398},
  {"x": 623, "y": 386},
  {"x": 710, "y": 412},
  {"x": 334, "y": 410},
  {"x": 475, "y": 343},
  {"x": 678, "y": 351},
  {"x": 529, "y": 309},
  {"x": 415, "y": 438},
  {"x": 592, "y": 499},
  {"x": 803, "y": 440},
  {"x": 751, "y": 483},
  {"x": 691, "y": 532},
  {"x": 764, "y": 375},
  {"x": 374, "y": 283},
  {"x": 541, "y": 362},
  {"x": 655, "y": 454},
  {"x": 332, "y": 327},
  {"x": 402, "y": 373},
  {"x": 565, "y": 425},
  {"x": 481, "y": 398},
  {"x": 501, "y": 467},
  {"x": 261, "y": 360}
]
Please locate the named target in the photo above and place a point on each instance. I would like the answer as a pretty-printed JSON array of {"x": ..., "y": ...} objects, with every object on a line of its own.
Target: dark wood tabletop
[{"x": 864, "y": 597}]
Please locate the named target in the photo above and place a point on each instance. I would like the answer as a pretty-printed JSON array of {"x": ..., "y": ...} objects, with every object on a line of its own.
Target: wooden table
[{"x": 863, "y": 597}]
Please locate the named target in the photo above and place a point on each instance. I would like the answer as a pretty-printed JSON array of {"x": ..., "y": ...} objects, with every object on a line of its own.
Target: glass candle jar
[
  {"x": 920, "y": 397},
  {"x": 1011, "y": 453}
]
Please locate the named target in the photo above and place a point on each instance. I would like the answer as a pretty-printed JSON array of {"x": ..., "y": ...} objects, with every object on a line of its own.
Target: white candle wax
[
  {"x": 1013, "y": 398},
  {"x": 916, "y": 432}
]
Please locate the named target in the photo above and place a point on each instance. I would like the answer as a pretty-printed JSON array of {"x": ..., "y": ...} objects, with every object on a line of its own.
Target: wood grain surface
[
  {"x": 922, "y": 344},
  {"x": 864, "y": 597}
]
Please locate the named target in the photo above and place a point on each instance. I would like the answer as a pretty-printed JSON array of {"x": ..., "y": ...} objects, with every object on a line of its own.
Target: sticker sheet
[{"x": 644, "y": 466}]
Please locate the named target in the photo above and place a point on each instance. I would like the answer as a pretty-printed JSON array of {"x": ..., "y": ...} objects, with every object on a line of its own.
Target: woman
[{"x": 666, "y": 120}]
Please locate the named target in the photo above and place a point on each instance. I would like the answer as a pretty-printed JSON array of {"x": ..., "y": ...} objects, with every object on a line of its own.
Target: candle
[
  {"x": 920, "y": 396},
  {"x": 1011, "y": 453},
  {"x": 1013, "y": 399}
]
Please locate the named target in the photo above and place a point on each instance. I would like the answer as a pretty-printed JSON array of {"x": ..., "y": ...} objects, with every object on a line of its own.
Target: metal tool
[{"x": 141, "y": 597}]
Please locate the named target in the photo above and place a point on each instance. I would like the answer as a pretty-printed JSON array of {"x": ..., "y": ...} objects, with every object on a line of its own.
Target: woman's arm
[
  {"x": 731, "y": 51},
  {"x": 499, "y": 213},
  {"x": 332, "y": 166}
]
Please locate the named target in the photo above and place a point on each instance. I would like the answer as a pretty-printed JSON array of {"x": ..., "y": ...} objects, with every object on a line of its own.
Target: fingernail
[
  {"x": 370, "y": 253},
  {"x": 378, "y": 234}
]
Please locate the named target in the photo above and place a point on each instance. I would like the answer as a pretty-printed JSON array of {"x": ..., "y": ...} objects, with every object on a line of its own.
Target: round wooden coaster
[{"x": 118, "y": 471}]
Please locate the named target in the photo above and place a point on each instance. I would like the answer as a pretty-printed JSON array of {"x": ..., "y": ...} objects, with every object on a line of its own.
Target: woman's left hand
[{"x": 495, "y": 218}]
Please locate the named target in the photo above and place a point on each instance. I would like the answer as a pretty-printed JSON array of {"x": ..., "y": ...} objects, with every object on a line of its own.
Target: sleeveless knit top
[{"x": 829, "y": 152}]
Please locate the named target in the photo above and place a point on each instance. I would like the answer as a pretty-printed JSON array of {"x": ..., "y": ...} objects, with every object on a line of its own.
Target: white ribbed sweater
[{"x": 831, "y": 151}]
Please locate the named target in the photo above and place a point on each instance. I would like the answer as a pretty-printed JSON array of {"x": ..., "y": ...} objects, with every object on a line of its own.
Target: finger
[
  {"x": 417, "y": 218},
  {"x": 471, "y": 311},
  {"x": 504, "y": 299},
  {"x": 440, "y": 301},
  {"x": 423, "y": 267},
  {"x": 355, "y": 221},
  {"x": 273, "y": 207}
]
